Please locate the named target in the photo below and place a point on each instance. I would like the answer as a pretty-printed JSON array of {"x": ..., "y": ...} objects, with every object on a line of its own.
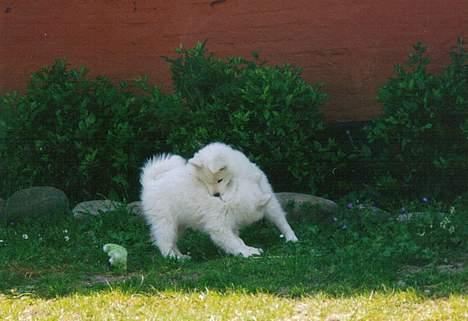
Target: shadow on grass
[{"x": 49, "y": 260}]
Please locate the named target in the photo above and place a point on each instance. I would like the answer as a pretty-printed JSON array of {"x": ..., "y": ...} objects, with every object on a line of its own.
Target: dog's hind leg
[
  {"x": 276, "y": 215},
  {"x": 165, "y": 238}
]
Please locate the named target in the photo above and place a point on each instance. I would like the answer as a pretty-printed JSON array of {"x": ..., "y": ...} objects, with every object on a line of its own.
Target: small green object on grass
[{"x": 117, "y": 255}]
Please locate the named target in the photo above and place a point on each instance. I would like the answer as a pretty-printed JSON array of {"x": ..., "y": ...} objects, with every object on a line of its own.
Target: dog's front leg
[
  {"x": 232, "y": 244},
  {"x": 276, "y": 215}
]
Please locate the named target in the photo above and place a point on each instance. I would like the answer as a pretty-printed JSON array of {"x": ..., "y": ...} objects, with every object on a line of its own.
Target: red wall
[{"x": 349, "y": 45}]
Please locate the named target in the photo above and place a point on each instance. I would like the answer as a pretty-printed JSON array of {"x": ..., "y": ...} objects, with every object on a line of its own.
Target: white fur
[
  {"x": 173, "y": 199},
  {"x": 218, "y": 160}
]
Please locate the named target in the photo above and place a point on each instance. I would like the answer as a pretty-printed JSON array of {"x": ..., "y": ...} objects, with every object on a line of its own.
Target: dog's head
[{"x": 213, "y": 171}]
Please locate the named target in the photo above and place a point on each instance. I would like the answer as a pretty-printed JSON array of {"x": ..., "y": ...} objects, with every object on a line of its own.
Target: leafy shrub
[
  {"x": 89, "y": 136},
  {"x": 419, "y": 145},
  {"x": 269, "y": 112},
  {"x": 85, "y": 136}
]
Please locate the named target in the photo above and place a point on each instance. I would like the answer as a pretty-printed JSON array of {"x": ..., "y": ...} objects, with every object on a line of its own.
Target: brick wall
[{"x": 349, "y": 45}]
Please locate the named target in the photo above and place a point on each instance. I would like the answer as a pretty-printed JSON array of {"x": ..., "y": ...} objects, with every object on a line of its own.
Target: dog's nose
[{"x": 216, "y": 195}]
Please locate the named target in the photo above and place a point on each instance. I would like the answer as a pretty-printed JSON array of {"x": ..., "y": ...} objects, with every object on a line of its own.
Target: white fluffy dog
[
  {"x": 218, "y": 165},
  {"x": 174, "y": 198}
]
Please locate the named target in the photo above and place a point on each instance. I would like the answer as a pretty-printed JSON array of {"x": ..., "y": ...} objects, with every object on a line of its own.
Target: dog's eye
[{"x": 220, "y": 180}]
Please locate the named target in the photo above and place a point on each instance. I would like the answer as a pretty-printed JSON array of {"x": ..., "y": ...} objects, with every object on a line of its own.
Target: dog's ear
[
  {"x": 217, "y": 165},
  {"x": 195, "y": 162},
  {"x": 264, "y": 199}
]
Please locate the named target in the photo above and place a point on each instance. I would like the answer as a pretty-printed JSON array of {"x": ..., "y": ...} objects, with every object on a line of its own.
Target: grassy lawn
[{"x": 356, "y": 265}]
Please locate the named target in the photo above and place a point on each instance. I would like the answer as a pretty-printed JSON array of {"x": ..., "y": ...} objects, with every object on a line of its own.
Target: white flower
[
  {"x": 446, "y": 221},
  {"x": 67, "y": 238},
  {"x": 452, "y": 210},
  {"x": 25, "y": 236},
  {"x": 65, "y": 231}
]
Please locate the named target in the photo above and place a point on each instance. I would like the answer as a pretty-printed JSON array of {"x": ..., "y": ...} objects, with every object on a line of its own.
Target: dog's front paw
[
  {"x": 291, "y": 238},
  {"x": 184, "y": 257},
  {"x": 251, "y": 251},
  {"x": 181, "y": 257},
  {"x": 176, "y": 255}
]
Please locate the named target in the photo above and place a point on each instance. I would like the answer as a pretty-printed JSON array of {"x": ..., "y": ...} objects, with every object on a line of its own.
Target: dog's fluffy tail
[{"x": 158, "y": 165}]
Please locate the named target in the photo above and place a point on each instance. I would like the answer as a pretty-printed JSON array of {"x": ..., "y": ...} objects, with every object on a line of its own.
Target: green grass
[
  {"x": 355, "y": 265},
  {"x": 208, "y": 305}
]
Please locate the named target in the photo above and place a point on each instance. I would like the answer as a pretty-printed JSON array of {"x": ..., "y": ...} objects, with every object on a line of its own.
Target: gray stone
[
  {"x": 375, "y": 210},
  {"x": 285, "y": 199},
  {"x": 405, "y": 217},
  {"x": 95, "y": 208},
  {"x": 135, "y": 208},
  {"x": 293, "y": 201},
  {"x": 36, "y": 201}
]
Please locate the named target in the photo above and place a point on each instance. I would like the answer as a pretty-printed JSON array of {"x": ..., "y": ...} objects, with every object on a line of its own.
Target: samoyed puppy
[
  {"x": 217, "y": 165},
  {"x": 174, "y": 198}
]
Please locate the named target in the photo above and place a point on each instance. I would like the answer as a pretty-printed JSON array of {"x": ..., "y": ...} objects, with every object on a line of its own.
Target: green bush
[
  {"x": 89, "y": 136},
  {"x": 419, "y": 145},
  {"x": 85, "y": 136},
  {"x": 269, "y": 112}
]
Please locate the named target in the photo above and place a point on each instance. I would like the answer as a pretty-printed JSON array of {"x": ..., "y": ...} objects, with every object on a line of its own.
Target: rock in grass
[
  {"x": 39, "y": 201},
  {"x": 293, "y": 201},
  {"x": 135, "y": 208},
  {"x": 407, "y": 217},
  {"x": 289, "y": 201},
  {"x": 95, "y": 208}
]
